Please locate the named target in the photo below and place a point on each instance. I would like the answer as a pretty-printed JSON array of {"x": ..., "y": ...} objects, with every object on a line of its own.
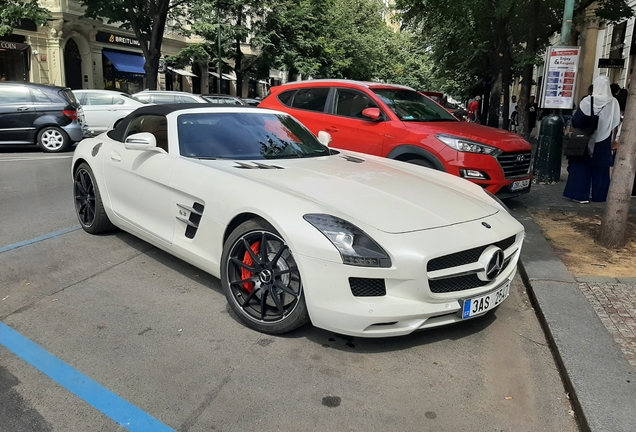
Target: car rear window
[
  {"x": 286, "y": 97},
  {"x": 68, "y": 96},
  {"x": 312, "y": 99}
]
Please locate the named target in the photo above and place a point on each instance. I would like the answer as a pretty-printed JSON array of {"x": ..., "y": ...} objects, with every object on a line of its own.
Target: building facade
[{"x": 83, "y": 53}]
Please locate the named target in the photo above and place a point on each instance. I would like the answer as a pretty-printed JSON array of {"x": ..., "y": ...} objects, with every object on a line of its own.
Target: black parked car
[{"x": 48, "y": 116}]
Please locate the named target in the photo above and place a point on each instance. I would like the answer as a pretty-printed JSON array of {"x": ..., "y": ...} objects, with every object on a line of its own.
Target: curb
[{"x": 601, "y": 382}]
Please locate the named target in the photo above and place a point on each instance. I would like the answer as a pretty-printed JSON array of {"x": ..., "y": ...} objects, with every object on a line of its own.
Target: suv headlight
[
  {"x": 465, "y": 145},
  {"x": 355, "y": 246}
]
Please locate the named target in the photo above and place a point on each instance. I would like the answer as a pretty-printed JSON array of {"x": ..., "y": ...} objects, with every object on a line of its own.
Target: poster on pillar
[{"x": 560, "y": 77}]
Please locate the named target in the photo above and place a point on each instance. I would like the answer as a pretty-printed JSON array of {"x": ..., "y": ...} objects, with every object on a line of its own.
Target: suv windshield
[
  {"x": 246, "y": 136},
  {"x": 409, "y": 105}
]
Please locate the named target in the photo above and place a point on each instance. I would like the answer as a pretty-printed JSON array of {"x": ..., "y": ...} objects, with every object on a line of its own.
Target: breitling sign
[{"x": 110, "y": 38}]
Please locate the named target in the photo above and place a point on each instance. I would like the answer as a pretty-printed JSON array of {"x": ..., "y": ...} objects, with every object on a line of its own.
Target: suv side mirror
[
  {"x": 141, "y": 141},
  {"x": 372, "y": 113},
  {"x": 324, "y": 138}
]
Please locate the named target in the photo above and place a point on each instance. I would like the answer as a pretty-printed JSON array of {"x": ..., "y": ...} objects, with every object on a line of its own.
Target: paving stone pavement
[{"x": 615, "y": 304}]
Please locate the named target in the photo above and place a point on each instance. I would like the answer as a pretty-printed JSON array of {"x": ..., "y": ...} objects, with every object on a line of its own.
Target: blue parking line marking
[
  {"x": 39, "y": 239},
  {"x": 120, "y": 410}
]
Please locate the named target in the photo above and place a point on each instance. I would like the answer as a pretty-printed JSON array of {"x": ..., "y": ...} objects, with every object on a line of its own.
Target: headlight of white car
[
  {"x": 355, "y": 246},
  {"x": 465, "y": 145}
]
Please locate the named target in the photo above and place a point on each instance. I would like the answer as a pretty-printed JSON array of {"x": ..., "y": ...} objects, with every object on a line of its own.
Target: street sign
[{"x": 559, "y": 80}]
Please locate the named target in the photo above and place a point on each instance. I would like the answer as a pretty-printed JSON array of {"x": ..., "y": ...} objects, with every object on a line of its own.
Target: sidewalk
[{"x": 590, "y": 322}]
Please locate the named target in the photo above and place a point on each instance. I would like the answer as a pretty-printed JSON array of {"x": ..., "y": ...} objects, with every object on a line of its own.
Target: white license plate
[
  {"x": 518, "y": 185},
  {"x": 482, "y": 304}
]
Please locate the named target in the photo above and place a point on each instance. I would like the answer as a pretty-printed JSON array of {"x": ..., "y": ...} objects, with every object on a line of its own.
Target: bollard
[{"x": 547, "y": 161}]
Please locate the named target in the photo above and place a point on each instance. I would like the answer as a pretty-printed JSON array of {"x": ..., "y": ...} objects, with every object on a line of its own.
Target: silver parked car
[
  {"x": 103, "y": 109},
  {"x": 169, "y": 97}
]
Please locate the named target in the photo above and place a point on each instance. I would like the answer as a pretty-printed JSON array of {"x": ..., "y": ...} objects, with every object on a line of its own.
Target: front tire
[
  {"x": 52, "y": 139},
  {"x": 88, "y": 202},
  {"x": 261, "y": 279}
]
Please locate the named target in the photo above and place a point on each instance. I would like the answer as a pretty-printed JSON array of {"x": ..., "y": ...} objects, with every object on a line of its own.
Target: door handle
[
  {"x": 332, "y": 129},
  {"x": 115, "y": 156},
  {"x": 23, "y": 109}
]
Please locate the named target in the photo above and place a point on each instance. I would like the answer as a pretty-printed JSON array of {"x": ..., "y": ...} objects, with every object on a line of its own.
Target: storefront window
[
  {"x": 123, "y": 71},
  {"x": 14, "y": 58}
]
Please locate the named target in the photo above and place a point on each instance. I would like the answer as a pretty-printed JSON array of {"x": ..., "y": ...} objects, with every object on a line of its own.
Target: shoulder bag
[{"x": 579, "y": 137}]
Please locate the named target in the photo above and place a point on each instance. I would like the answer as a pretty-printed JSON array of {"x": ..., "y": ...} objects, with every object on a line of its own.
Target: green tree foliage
[
  {"x": 478, "y": 42},
  {"x": 341, "y": 39},
  {"x": 13, "y": 11},
  {"x": 147, "y": 18}
]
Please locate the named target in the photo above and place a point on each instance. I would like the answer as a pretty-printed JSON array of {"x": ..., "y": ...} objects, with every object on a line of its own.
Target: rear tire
[
  {"x": 421, "y": 162},
  {"x": 52, "y": 139},
  {"x": 88, "y": 202}
]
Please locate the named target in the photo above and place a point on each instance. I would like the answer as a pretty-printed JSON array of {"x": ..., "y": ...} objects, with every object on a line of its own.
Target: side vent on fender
[{"x": 192, "y": 223}]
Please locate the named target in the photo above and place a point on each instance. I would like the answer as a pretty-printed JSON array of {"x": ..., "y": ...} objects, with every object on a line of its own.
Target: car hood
[
  {"x": 380, "y": 194},
  {"x": 499, "y": 138}
]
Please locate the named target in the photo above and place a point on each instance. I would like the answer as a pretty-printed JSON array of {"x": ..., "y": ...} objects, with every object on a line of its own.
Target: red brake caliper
[{"x": 245, "y": 273}]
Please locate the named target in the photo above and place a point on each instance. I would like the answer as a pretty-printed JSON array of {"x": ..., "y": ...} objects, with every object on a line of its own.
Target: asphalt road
[{"x": 158, "y": 333}]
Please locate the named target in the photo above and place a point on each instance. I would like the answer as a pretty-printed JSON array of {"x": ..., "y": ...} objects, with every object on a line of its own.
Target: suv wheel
[{"x": 53, "y": 140}]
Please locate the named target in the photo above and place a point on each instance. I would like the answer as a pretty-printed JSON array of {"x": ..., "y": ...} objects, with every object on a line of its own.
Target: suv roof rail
[{"x": 366, "y": 84}]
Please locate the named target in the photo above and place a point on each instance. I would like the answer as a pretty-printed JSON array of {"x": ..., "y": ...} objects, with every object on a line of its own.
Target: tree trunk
[
  {"x": 485, "y": 104},
  {"x": 614, "y": 223},
  {"x": 495, "y": 97},
  {"x": 526, "y": 73},
  {"x": 238, "y": 55},
  {"x": 151, "y": 43}
]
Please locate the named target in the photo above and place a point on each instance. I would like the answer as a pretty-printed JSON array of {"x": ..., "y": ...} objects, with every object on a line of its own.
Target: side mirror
[
  {"x": 372, "y": 113},
  {"x": 324, "y": 138},
  {"x": 141, "y": 141}
]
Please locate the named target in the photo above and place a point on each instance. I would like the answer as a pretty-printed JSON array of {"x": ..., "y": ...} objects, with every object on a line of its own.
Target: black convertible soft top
[{"x": 161, "y": 110}]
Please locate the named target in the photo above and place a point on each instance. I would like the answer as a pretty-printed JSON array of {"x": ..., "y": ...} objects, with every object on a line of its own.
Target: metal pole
[
  {"x": 568, "y": 12},
  {"x": 218, "y": 21}
]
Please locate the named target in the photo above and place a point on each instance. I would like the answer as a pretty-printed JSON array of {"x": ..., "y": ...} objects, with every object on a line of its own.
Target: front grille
[
  {"x": 460, "y": 283},
  {"x": 515, "y": 164},
  {"x": 465, "y": 257},
  {"x": 364, "y": 287}
]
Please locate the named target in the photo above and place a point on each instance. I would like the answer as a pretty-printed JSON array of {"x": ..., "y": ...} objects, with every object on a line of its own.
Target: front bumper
[{"x": 409, "y": 303}]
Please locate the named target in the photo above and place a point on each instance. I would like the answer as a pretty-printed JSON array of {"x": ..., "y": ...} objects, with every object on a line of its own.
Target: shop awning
[
  {"x": 225, "y": 76},
  {"x": 182, "y": 72},
  {"x": 126, "y": 62}
]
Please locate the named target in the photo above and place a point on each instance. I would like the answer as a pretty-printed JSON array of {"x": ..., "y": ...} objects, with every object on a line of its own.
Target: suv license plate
[
  {"x": 518, "y": 185},
  {"x": 482, "y": 304}
]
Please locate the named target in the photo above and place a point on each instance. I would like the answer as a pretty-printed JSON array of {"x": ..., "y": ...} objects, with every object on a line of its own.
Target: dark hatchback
[{"x": 48, "y": 116}]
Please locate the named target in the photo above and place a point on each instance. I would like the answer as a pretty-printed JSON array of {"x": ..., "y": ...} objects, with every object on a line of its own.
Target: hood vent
[
  {"x": 353, "y": 159},
  {"x": 255, "y": 165}
]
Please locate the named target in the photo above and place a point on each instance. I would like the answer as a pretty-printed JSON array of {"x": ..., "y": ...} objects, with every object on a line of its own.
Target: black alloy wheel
[
  {"x": 88, "y": 203},
  {"x": 261, "y": 280}
]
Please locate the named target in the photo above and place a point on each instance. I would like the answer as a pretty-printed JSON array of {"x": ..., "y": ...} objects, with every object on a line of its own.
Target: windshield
[
  {"x": 409, "y": 105},
  {"x": 251, "y": 136}
]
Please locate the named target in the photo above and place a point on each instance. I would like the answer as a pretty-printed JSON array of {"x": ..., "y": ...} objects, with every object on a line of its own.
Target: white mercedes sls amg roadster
[{"x": 298, "y": 232}]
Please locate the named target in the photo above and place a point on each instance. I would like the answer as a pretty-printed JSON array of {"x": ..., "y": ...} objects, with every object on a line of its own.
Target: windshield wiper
[{"x": 206, "y": 158}]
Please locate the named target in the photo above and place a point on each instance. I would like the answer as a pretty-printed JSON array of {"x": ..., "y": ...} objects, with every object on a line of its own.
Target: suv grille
[
  {"x": 465, "y": 257},
  {"x": 364, "y": 287},
  {"x": 515, "y": 164}
]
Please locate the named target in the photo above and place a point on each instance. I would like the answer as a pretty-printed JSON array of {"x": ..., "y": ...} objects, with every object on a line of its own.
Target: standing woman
[{"x": 592, "y": 170}]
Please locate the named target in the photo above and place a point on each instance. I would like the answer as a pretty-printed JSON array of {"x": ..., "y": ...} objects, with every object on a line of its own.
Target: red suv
[{"x": 397, "y": 122}]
